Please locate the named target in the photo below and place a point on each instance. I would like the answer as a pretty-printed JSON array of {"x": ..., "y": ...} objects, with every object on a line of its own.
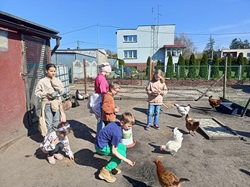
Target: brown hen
[
  {"x": 191, "y": 124},
  {"x": 213, "y": 102},
  {"x": 167, "y": 178}
]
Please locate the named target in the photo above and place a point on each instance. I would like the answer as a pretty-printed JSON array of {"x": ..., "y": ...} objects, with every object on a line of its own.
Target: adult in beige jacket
[{"x": 48, "y": 89}]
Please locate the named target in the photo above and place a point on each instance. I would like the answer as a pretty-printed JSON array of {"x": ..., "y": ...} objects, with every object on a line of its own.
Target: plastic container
[{"x": 127, "y": 138}]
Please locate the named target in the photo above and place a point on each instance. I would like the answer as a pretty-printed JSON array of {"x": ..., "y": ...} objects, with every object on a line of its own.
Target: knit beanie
[{"x": 105, "y": 67}]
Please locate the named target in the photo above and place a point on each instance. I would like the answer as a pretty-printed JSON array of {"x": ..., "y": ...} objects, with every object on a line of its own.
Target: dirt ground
[{"x": 205, "y": 162}]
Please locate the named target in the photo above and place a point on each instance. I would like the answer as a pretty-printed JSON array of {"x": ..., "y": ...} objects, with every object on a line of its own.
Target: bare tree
[{"x": 189, "y": 45}]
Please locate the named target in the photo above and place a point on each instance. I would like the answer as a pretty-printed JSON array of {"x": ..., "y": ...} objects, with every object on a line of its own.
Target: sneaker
[
  {"x": 116, "y": 171},
  {"x": 51, "y": 159},
  {"x": 106, "y": 175},
  {"x": 58, "y": 156},
  {"x": 147, "y": 127},
  {"x": 156, "y": 126}
]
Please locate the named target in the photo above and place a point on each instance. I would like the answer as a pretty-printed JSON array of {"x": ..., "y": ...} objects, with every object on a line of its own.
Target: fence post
[
  {"x": 178, "y": 71},
  {"x": 150, "y": 69},
  {"x": 225, "y": 80},
  {"x": 209, "y": 72},
  {"x": 85, "y": 76},
  {"x": 122, "y": 71},
  {"x": 239, "y": 70}
]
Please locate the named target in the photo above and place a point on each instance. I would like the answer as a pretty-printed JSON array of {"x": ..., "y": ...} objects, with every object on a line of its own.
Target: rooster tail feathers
[
  {"x": 183, "y": 180},
  {"x": 177, "y": 133},
  {"x": 175, "y": 130}
]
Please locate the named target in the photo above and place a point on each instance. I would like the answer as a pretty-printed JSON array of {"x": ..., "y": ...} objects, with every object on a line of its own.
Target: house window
[
  {"x": 248, "y": 56},
  {"x": 130, "y": 54},
  {"x": 178, "y": 52},
  {"x": 169, "y": 51},
  {"x": 174, "y": 52},
  {"x": 130, "y": 38}
]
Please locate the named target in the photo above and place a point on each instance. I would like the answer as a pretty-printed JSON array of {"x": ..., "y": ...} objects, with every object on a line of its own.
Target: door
[{"x": 35, "y": 57}]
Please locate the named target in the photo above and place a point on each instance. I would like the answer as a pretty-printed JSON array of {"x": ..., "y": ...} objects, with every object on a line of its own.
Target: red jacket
[{"x": 108, "y": 107}]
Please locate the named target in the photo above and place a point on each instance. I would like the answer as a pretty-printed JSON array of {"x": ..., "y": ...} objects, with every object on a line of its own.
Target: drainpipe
[{"x": 57, "y": 45}]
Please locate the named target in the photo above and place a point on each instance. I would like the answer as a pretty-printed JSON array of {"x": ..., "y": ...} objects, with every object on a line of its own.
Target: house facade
[
  {"x": 24, "y": 52},
  {"x": 134, "y": 46},
  {"x": 234, "y": 53}
]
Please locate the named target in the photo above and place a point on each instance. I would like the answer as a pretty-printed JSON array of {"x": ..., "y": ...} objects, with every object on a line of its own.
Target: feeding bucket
[{"x": 127, "y": 138}]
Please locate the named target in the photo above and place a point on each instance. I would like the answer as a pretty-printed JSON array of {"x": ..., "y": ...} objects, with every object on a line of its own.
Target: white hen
[
  {"x": 172, "y": 146},
  {"x": 183, "y": 110},
  {"x": 79, "y": 96}
]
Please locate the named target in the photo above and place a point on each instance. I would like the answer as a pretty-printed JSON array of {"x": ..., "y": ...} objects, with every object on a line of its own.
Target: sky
[{"x": 93, "y": 23}]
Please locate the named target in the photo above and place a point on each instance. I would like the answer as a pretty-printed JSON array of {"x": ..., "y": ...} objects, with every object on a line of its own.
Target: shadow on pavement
[
  {"x": 244, "y": 88},
  {"x": 135, "y": 183},
  {"x": 142, "y": 110},
  {"x": 82, "y": 131},
  {"x": 86, "y": 157},
  {"x": 245, "y": 171}
]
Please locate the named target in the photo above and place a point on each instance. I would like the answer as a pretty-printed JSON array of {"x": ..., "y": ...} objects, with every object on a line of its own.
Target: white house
[
  {"x": 235, "y": 53},
  {"x": 134, "y": 46}
]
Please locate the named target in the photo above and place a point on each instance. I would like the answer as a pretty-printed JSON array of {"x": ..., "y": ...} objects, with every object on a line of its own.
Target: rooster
[
  {"x": 167, "y": 178},
  {"x": 191, "y": 124},
  {"x": 214, "y": 102},
  {"x": 172, "y": 146},
  {"x": 183, "y": 110}
]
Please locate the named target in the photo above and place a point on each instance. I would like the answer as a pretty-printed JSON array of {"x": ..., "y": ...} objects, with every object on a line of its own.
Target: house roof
[
  {"x": 25, "y": 26},
  {"x": 174, "y": 46}
]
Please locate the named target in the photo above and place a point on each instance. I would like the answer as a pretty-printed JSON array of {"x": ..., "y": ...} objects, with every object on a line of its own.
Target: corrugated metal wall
[
  {"x": 69, "y": 58},
  {"x": 77, "y": 73},
  {"x": 63, "y": 74}
]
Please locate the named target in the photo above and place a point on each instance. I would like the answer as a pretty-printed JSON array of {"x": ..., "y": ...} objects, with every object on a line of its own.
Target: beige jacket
[
  {"x": 55, "y": 105},
  {"x": 156, "y": 91}
]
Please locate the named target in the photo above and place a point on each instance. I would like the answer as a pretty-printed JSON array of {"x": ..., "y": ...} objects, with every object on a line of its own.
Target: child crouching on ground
[
  {"x": 57, "y": 141},
  {"x": 108, "y": 143}
]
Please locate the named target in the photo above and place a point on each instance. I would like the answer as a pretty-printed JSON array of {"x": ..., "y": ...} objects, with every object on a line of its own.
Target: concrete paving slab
[{"x": 216, "y": 130}]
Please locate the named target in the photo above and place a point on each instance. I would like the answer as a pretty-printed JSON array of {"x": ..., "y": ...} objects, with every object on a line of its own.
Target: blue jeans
[
  {"x": 100, "y": 125},
  {"x": 52, "y": 119},
  {"x": 153, "y": 110}
]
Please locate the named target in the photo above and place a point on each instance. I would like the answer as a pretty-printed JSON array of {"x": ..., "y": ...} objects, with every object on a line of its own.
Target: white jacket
[{"x": 47, "y": 145}]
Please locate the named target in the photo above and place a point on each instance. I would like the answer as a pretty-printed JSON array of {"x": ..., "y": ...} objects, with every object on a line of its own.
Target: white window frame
[
  {"x": 128, "y": 54},
  {"x": 130, "y": 38}
]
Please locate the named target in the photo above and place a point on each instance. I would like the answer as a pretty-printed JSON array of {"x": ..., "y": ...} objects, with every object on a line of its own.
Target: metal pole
[{"x": 225, "y": 80}]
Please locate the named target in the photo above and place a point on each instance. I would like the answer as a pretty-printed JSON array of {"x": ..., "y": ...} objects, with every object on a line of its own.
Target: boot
[
  {"x": 116, "y": 171},
  {"x": 106, "y": 175}
]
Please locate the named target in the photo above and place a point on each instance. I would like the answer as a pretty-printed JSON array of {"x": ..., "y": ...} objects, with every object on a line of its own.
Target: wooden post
[
  {"x": 150, "y": 69},
  {"x": 245, "y": 109},
  {"x": 85, "y": 76},
  {"x": 225, "y": 80}
]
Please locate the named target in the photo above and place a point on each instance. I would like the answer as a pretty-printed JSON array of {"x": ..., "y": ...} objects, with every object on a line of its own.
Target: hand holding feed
[{"x": 130, "y": 162}]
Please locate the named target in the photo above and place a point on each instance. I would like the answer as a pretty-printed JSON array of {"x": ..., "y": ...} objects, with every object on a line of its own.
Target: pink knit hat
[{"x": 105, "y": 67}]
